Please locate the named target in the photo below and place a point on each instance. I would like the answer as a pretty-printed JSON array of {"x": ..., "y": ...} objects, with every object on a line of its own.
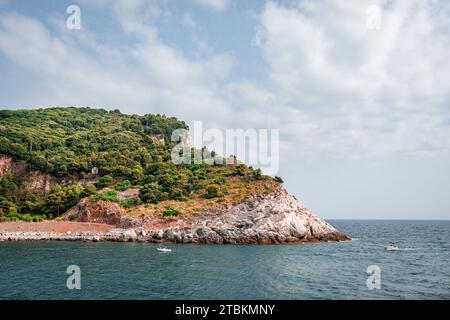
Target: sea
[{"x": 358, "y": 269}]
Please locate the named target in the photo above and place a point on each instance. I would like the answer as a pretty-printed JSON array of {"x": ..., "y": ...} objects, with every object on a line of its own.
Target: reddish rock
[
  {"x": 6, "y": 164},
  {"x": 38, "y": 181},
  {"x": 96, "y": 212}
]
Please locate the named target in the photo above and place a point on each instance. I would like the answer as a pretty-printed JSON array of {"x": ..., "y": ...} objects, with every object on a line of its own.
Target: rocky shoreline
[
  {"x": 130, "y": 235},
  {"x": 120, "y": 235},
  {"x": 275, "y": 218}
]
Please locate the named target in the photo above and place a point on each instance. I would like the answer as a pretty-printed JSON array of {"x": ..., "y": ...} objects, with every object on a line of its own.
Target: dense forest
[
  {"x": 126, "y": 151},
  {"x": 69, "y": 141}
]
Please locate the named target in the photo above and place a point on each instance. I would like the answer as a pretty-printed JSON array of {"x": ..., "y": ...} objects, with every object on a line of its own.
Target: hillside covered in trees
[{"x": 100, "y": 154}]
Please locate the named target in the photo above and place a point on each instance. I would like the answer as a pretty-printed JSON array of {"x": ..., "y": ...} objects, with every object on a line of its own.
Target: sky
[{"x": 359, "y": 90}]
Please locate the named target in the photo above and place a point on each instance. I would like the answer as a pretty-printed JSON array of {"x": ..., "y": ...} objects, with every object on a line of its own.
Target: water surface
[{"x": 420, "y": 270}]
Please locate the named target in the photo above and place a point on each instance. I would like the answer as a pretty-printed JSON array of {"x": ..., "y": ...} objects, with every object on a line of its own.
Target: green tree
[
  {"x": 151, "y": 193},
  {"x": 136, "y": 175},
  {"x": 239, "y": 170},
  {"x": 257, "y": 174},
  {"x": 278, "y": 179},
  {"x": 89, "y": 189},
  {"x": 213, "y": 191},
  {"x": 104, "y": 181},
  {"x": 170, "y": 211}
]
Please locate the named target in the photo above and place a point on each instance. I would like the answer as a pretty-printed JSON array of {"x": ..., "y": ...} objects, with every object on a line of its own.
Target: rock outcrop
[
  {"x": 128, "y": 194},
  {"x": 38, "y": 181},
  {"x": 275, "y": 218},
  {"x": 31, "y": 180},
  {"x": 6, "y": 165},
  {"x": 95, "y": 212}
]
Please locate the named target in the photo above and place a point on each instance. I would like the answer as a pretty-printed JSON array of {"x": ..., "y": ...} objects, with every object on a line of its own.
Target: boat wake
[
  {"x": 409, "y": 249},
  {"x": 396, "y": 248}
]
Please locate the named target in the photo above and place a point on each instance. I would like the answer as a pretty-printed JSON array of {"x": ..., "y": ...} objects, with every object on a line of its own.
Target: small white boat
[
  {"x": 164, "y": 249},
  {"x": 391, "y": 247}
]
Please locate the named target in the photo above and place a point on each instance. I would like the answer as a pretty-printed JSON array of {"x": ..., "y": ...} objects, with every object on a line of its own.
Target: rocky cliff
[
  {"x": 276, "y": 218},
  {"x": 94, "y": 166},
  {"x": 6, "y": 165},
  {"x": 95, "y": 212},
  {"x": 32, "y": 180}
]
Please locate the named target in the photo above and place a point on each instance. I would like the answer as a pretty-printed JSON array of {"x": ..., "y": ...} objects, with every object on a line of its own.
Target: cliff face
[
  {"x": 38, "y": 181},
  {"x": 95, "y": 212},
  {"x": 32, "y": 180},
  {"x": 6, "y": 165},
  {"x": 222, "y": 203},
  {"x": 276, "y": 218}
]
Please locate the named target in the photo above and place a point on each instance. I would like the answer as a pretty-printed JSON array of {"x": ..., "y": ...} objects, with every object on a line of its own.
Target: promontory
[{"x": 97, "y": 175}]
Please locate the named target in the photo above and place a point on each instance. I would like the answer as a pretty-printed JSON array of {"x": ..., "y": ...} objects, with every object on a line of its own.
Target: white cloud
[
  {"x": 192, "y": 26},
  {"x": 345, "y": 90},
  {"x": 219, "y": 5},
  {"x": 335, "y": 87},
  {"x": 144, "y": 77}
]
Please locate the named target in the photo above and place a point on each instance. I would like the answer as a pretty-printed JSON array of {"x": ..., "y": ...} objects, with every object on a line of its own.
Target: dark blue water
[{"x": 420, "y": 270}]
